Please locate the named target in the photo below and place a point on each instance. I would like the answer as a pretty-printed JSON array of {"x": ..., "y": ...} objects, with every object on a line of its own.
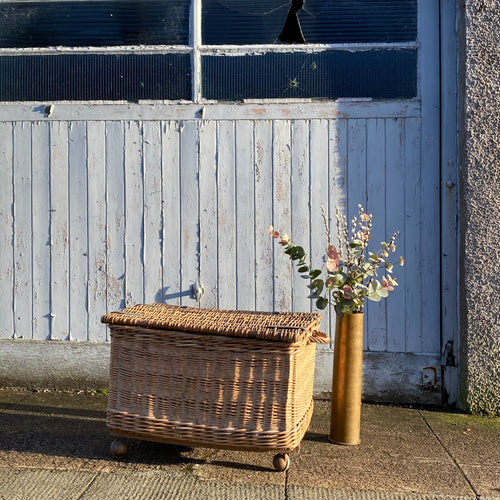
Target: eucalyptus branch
[{"x": 350, "y": 280}]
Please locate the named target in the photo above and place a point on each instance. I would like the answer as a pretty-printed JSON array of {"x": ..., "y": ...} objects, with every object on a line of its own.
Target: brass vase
[{"x": 347, "y": 375}]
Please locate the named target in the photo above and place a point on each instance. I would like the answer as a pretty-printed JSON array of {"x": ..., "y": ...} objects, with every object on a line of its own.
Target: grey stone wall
[{"x": 480, "y": 206}]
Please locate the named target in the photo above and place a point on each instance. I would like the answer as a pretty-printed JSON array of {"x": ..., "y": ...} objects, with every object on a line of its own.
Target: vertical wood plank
[
  {"x": 189, "y": 265},
  {"x": 171, "y": 213},
  {"x": 152, "y": 212},
  {"x": 78, "y": 240},
  {"x": 226, "y": 213},
  {"x": 265, "y": 247},
  {"x": 356, "y": 179},
  {"x": 413, "y": 238},
  {"x": 429, "y": 239},
  {"x": 23, "y": 303},
  {"x": 376, "y": 203},
  {"x": 41, "y": 230},
  {"x": 356, "y": 166},
  {"x": 6, "y": 235},
  {"x": 134, "y": 229},
  {"x": 337, "y": 167},
  {"x": 282, "y": 214},
  {"x": 115, "y": 215},
  {"x": 245, "y": 210},
  {"x": 59, "y": 230},
  {"x": 208, "y": 213},
  {"x": 337, "y": 190},
  {"x": 300, "y": 206},
  {"x": 395, "y": 221},
  {"x": 319, "y": 193},
  {"x": 97, "y": 228}
]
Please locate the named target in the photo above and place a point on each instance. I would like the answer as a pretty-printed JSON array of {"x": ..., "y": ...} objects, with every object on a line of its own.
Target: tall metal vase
[{"x": 347, "y": 375}]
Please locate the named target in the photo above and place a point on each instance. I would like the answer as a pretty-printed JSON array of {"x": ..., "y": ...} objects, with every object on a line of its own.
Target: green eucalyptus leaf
[
  {"x": 321, "y": 303},
  {"x": 298, "y": 253},
  {"x": 318, "y": 285},
  {"x": 314, "y": 273}
]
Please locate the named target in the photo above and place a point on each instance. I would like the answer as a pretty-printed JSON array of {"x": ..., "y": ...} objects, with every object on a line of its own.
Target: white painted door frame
[{"x": 449, "y": 201}]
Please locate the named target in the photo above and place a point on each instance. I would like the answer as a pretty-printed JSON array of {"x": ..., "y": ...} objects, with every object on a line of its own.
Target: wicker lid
[{"x": 283, "y": 326}]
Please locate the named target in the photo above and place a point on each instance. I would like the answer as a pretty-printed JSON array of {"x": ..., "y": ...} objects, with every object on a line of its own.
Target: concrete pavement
[{"x": 55, "y": 445}]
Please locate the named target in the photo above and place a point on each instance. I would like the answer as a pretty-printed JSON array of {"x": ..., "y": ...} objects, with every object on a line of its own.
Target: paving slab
[
  {"x": 305, "y": 493},
  {"x": 474, "y": 444},
  {"x": 36, "y": 484},
  {"x": 398, "y": 453},
  {"x": 470, "y": 439},
  {"x": 160, "y": 485}
]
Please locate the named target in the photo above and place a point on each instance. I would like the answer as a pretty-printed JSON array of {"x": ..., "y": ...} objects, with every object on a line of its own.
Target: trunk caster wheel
[
  {"x": 281, "y": 462},
  {"x": 119, "y": 447}
]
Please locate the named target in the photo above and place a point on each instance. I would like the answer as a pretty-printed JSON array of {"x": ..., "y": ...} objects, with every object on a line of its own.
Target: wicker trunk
[{"x": 205, "y": 377}]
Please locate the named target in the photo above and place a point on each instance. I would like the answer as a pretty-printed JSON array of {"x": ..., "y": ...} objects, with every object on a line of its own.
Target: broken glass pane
[
  {"x": 320, "y": 21},
  {"x": 292, "y": 32},
  {"x": 94, "y": 23},
  {"x": 376, "y": 74},
  {"x": 88, "y": 77}
]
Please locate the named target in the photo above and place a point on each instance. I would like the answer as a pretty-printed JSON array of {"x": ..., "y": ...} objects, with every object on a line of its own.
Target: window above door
[{"x": 204, "y": 50}]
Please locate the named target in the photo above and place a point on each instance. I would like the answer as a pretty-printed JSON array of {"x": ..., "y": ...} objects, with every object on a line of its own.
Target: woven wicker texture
[
  {"x": 285, "y": 327},
  {"x": 209, "y": 390}
]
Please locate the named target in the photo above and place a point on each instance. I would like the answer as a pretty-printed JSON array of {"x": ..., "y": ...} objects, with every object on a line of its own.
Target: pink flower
[
  {"x": 365, "y": 217},
  {"x": 347, "y": 292},
  {"x": 272, "y": 232},
  {"x": 386, "y": 283},
  {"x": 333, "y": 259},
  {"x": 285, "y": 240}
]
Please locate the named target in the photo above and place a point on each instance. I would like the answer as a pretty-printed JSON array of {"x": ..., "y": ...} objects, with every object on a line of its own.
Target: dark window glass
[
  {"x": 95, "y": 23},
  {"x": 95, "y": 77},
  {"x": 320, "y": 21},
  {"x": 377, "y": 74}
]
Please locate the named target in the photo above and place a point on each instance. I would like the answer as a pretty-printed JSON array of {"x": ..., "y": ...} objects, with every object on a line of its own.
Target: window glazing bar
[
  {"x": 195, "y": 39},
  {"x": 125, "y": 49},
  {"x": 261, "y": 49}
]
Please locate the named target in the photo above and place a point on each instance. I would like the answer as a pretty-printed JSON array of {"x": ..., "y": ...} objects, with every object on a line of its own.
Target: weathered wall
[{"x": 480, "y": 206}]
